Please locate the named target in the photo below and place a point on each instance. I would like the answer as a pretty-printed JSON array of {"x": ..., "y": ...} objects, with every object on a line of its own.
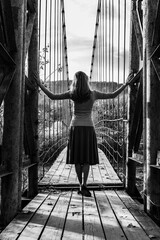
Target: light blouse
[{"x": 82, "y": 112}]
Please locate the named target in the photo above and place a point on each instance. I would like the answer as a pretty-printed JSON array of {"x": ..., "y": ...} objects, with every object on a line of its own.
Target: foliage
[{"x": 42, "y": 57}]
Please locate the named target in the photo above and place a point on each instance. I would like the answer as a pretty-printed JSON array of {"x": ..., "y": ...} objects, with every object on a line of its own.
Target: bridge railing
[
  {"x": 54, "y": 116},
  {"x": 112, "y": 138},
  {"x": 109, "y": 70}
]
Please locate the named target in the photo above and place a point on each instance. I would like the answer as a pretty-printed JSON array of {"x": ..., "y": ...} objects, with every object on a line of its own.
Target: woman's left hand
[{"x": 129, "y": 78}]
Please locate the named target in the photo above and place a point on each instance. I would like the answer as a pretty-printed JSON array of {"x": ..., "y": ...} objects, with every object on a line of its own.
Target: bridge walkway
[{"x": 58, "y": 212}]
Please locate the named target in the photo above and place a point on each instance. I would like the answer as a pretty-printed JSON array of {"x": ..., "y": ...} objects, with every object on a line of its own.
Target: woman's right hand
[{"x": 36, "y": 78}]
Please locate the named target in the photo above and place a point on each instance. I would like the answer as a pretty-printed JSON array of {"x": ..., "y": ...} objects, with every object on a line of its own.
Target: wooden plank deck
[
  {"x": 108, "y": 214},
  {"x": 62, "y": 174},
  {"x": 56, "y": 214}
]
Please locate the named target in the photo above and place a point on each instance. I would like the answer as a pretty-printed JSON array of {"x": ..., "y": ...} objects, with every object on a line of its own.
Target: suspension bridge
[{"x": 38, "y": 190}]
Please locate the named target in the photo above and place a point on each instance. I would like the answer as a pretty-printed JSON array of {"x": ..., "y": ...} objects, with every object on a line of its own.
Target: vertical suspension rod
[
  {"x": 95, "y": 37},
  {"x": 50, "y": 64}
]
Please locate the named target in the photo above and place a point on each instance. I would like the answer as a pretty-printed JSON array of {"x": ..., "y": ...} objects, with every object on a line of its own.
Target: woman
[{"x": 82, "y": 147}]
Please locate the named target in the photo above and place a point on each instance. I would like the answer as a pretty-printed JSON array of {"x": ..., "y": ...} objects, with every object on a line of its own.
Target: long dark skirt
[{"x": 82, "y": 146}]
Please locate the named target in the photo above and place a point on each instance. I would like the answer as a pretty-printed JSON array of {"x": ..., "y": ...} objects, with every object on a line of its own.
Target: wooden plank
[
  {"x": 149, "y": 226},
  {"x": 109, "y": 221},
  {"x": 13, "y": 230},
  {"x": 52, "y": 171},
  {"x": 50, "y": 174},
  {"x": 56, "y": 221},
  {"x": 72, "y": 176},
  {"x": 74, "y": 228},
  {"x": 58, "y": 173},
  {"x": 106, "y": 215},
  {"x": 90, "y": 176},
  {"x": 103, "y": 169},
  {"x": 111, "y": 175},
  {"x": 63, "y": 174},
  {"x": 104, "y": 174},
  {"x": 96, "y": 174},
  {"x": 36, "y": 224},
  {"x": 55, "y": 178},
  {"x": 92, "y": 225},
  {"x": 130, "y": 226}
]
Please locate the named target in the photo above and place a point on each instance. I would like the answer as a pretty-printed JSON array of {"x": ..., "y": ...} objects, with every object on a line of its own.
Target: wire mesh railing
[
  {"x": 54, "y": 116},
  {"x": 109, "y": 70},
  {"x": 112, "y": 136}
]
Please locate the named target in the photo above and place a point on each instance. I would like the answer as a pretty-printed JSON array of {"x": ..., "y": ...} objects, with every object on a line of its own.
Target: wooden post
[
  {"x": 151, "y": 112},
  {"x": 134, "y": 67},
  {"x": 33, "y": 100},
  {"x": 11, "y": 185}
]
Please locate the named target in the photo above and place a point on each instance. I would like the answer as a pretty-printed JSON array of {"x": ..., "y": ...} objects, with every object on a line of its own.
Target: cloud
[
  {"x": 80, "y": 44},
  {"x": 80, "y": 25}
]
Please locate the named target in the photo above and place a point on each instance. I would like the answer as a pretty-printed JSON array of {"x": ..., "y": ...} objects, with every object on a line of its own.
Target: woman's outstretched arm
[
  {"x": 110, "y": 95},
  {"x": 51, "y": 95}
]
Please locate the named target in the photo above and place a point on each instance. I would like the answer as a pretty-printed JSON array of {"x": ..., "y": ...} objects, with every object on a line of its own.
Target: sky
[{"x": 80, "y": 16}]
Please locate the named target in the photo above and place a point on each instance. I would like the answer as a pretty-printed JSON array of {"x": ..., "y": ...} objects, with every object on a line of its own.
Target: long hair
[{"x": 80, "y": 89}]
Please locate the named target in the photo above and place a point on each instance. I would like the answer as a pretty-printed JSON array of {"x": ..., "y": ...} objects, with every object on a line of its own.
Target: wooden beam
[
  {"x": 8, "y": 26},
  {"x": 28, "y": 165},
  {"x": 140, "y": 12},
  {"x": 156, "y": 65},
  {"x": 31, "y": 5},
  {"x": 5, "y": 173},
  {"x": 11, "y": 193},
  {"x": 139, "y": 132},
  {"x": 155, "y": 59},
  {"x": 151, "y": 111},
  {"x": 8, "y": 75},
  {"x": 156, "y": 36},
  {"x": 134, "y": 63},
  {"x": 138, "y": 32},
  {"x": 29, "y": 140},
  {"x": 29, "y": 29},
  {"x": 31, "y": 86},
  {"x": 134, "y": 134},
  {"x": 136, "y": 161},
  {"x": 136, "y": 118},
  {"x": 5, "y": 57},
  {"x": 33, "y": 95},
  {"x": 7, "y": 68}
]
